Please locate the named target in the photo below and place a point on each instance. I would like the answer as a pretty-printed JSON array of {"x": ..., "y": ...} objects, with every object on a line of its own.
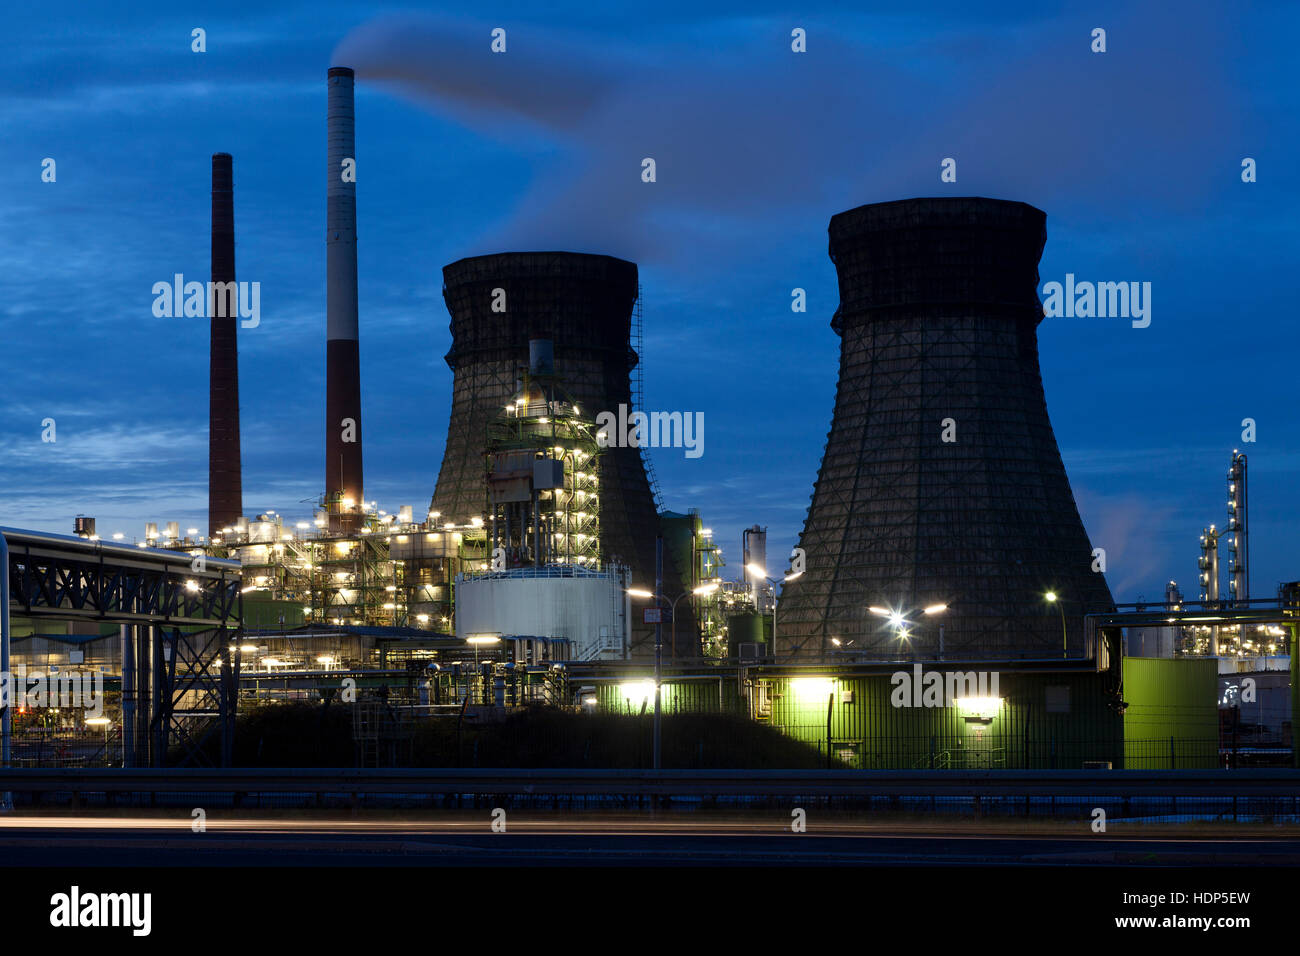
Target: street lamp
[
  {"x": 658, "y": 597},
  {"x": 1052, "y": 598},
  {"x": 900, "y": 623},
  {"x": 700, "y": 591},
  {"x": 105, "y": 723},
  {"x": 762, "y": 573},
  {"x": 661, "y": 601},
  {"x": 482, "y": 639}
]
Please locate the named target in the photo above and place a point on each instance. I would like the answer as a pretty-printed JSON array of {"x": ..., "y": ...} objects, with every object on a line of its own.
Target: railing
[{"x": 697, "y": 783}]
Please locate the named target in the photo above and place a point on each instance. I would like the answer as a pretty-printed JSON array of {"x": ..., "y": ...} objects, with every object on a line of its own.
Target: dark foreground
[{"x": 619, "y": 840}]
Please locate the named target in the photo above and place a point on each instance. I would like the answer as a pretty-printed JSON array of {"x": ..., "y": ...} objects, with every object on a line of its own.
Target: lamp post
[
  {"x": 661, "y": 600},
  {"x": 1052, "y": 598},
  {"x": 900, "y": 622},
  {"x": 658, "y": 597},
  {"x": 754, "y": 569},
  {"x": 105, "y": 723}
]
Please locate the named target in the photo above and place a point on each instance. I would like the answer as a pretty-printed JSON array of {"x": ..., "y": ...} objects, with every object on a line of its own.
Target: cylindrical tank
[
  {"x": 754, "y": 548},
  {"x": 748, "y": 628},
  {"x": 541, "y": 356},
  {"x": 587, "y": 608}
]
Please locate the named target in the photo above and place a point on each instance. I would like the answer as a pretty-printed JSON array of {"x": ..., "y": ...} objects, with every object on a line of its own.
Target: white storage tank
[{"x": 590, "y": 609}]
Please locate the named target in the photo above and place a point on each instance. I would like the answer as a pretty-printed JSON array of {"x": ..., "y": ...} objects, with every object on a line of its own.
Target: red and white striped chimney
[{"x": 343, "y": 484}]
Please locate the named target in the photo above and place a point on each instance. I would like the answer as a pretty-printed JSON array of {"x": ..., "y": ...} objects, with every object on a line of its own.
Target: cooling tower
[
  {"x": 584, "y": 304},
  {"x": 225, "y": 493},
  {"x": 941, "y": 481},
  {"x": 343, "y": 484}
]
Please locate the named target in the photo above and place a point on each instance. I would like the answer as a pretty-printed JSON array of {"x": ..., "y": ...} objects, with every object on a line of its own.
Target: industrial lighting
[
  {"x": 810, "y": 689},
  {"x": 248, "y": 648},
  {"x": 97, "y": 721},
  {"x": 191, "y": 531},
  {"x": 191, "y": 585},
  {"x": 896, "y": 619},
  {"x": 638, "y": 593},
  {"x": 883, "y": 612},
  {"x": 1050, "y": 595},
  {"x": 637, "y": 692},
  {"x": 705, "y": 589},
  {"x": 483, "y": 639},
  {"x": 981, "y": 708},
  {"x": 755, "y": 569},
  {"x": 936, "y": 609},
  {"x": 118, "y": 536},
  {"x": 791, "y": 577}
]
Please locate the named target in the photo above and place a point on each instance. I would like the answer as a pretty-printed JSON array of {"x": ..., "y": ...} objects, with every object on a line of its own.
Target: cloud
[{"x": 745, "y": 131}]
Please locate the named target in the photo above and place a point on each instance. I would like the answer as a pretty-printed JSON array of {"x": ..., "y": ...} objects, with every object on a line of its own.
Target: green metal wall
[
  {"x": 1029, "y": 730},
  {"x": 691, "y": 696},
  {"x": 263, "y": 613},
  {"x": 1044, "y": 720},
  {"x": 679, "y": 531},
  {"x": 1172, "y": 720}
]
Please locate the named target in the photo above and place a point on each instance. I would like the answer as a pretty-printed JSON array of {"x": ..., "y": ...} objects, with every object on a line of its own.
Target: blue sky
[{"x": 1134, "y": 154}]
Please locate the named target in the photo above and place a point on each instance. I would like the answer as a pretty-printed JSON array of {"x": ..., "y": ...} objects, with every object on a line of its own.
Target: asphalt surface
[{"x": 596, "y": 840}]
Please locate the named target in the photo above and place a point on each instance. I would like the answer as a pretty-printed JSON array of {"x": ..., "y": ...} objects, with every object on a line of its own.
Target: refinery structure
[{"x": 942, "y": 533}]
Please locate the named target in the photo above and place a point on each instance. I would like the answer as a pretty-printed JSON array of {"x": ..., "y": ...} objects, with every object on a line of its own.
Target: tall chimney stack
[
  {"x": 343, "y": 487},
  {"x": 225, "y": 491}
]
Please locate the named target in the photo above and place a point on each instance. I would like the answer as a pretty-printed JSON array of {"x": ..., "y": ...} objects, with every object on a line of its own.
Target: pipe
[
  {"x": 343, "y": 458},
  {"x": 127, "y": 634}
]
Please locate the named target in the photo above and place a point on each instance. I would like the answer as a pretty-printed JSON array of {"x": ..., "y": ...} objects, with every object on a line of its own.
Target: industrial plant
[{"x": 942, "y": 547}]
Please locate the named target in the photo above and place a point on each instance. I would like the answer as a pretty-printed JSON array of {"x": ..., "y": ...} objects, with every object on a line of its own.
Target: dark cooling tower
[
  {"x": 343, "y": 484},
  {"x": 584, "y": 303},
  {"x": 225, "y": 493},
  {"x": 938, "y": 320}
]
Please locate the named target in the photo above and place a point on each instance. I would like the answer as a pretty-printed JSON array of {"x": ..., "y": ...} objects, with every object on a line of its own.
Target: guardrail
[{"x": 681, "y": 783}]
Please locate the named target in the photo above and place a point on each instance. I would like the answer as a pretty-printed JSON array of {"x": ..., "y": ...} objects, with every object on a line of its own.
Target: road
[{"x": 601, "y": 840}]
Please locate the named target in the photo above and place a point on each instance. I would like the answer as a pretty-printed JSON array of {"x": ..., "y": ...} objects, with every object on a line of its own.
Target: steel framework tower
[
  {"x": 583, "y": 304},
  {"x": 941, "y": 481}
]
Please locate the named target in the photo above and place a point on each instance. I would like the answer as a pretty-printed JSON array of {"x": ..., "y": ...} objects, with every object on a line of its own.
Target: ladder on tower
[{"x": 638, "y": 394}]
